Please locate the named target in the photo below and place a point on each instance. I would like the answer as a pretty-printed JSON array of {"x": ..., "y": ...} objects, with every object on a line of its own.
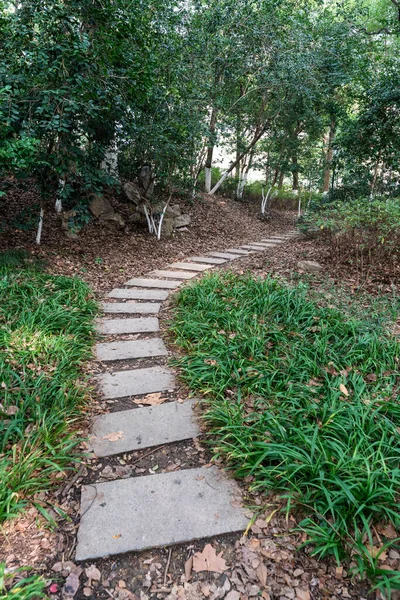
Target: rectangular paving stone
[
  {"x": 263, "y": 244},
  {"x": 138, "y": 294},
  {"x": 208, "y": 260},
  {"x": 154, "y": 283},
  {"x": 139, "y": 308},
  {"x": 125, "y": 349},
  {"x": 272, "y": 240},
  {"x": 139, "y": 325},
  {"x": 225, "y": 255},
  {"x": 238, "y": 251},
  {"x": 138, "y": 381},
  {"x": 143, "y": 428},
  {"x": 157, "y": 510},
  {"x": 247, "y": 247},
  {"x": 175, "y": 274},
  {"x": 189, "y": 266}
]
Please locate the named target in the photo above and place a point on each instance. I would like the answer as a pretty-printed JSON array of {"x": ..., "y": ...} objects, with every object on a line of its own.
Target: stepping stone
[
  {"x": 224, "y": 255},
  {"x": 154, "y": 283},
  {"x": 123, "y": 350},
  {"x": 189, "y": 266},
  {"x": 143, "y": 428},
  {"x": 238, "y": 251},
  {"x": 138, "y": 294},
  {"x": 252, "y": 248},
  {"x": 140, "y": 325},
  {"x": 263, "y": 244},
  {"x": 140, "y": 308},
  {"x": 208, "y": 260},
  {"x": 175, "y": 274},
  {"x": 272, "y": 240},
  {"x": 157, "y": 510},
  {"x": 133, "y": 383}
]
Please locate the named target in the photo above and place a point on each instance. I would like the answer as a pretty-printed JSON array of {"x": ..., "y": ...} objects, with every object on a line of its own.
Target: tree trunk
[
  {"x": 245, "y": 174},
  {"x": 280, "y": 181},
  {"x": 210, "y": 150},
  {"x": 328, "y": 157},
  {"x": 257, "y": 136},
  {"x": 295, "y": 185},
  {"x": 40, "y": 226}
]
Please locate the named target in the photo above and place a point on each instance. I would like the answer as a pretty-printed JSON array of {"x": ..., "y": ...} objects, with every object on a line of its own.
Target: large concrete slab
[
  {"x": 208, "y": 260},
  {"x": 247, "y": 247},
  {"x": 156, "y": 510},
  {"x": 225, "y": 255},
  {"x": 175, "y": 274},
  {"x": 238, "y": 251},
  {"x": 139, "y": 381},
  {"x": 126, "y": 349},
  {"x": 143, "y": 428},
  {"x": 189, "y": 266},
  {"x": 154, "y": 283},
  {"x": 139, "y": 325},
  {"x": 138, "y": 294},
  {"x": 131, "y": 308}
]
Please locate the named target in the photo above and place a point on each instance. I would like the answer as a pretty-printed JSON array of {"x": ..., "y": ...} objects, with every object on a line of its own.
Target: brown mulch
[{"x": 106, "y": 259}]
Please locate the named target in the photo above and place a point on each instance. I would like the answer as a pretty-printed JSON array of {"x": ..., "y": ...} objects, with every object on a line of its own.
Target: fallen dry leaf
[
  {"x": 262, "y": 573},
  {"x": 93, "y": 573},
  {"x": 343, "y": 389},
  {"x": 114, "y": 436},
  {"x": 151, "y": 399},
  {"x": 208, "y": 560},
  {"x": 302, "y": 594}
]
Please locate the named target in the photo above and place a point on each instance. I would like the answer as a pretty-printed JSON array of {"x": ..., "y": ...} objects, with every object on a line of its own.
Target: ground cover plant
[
  {"x": 30, "y": 587},
  {"x": 46, "y": 332},
  {"x": 303, "y": 399},
  {"x": 364, "y": 232}
]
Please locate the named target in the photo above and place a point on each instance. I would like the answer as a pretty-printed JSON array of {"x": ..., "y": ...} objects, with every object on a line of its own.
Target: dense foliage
[
  {"x": 46, "y": 326},
  {"x": 302, "y": 399},
  {"x": 307, "y": 93}
]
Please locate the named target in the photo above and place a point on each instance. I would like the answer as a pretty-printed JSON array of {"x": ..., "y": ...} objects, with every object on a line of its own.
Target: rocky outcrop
[{"x": 101, "y": 208}]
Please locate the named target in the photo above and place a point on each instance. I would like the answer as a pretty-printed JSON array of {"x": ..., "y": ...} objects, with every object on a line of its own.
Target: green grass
[
  {"x": 46, "y": 334},
  {"x": 26, "y": 588},
  {"x": 303, "y": 398}
]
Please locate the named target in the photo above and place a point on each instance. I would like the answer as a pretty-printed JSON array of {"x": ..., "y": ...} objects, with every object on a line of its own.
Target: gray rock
[
  {"x": 140, "y": 325},
  {"x": 142, "y": 428},
  {"x": 173, "y": 211},
  {"x": 167, "y": 226},
  {"x": 310, "y": 266},
  {"x": 182, "y": 221},
  {"x": 139, "y": 308},
  {"x": 112, "y": 221},
  {"x": 99, "y": 206},
  {"x": 133, "y": 192},
  {"x": 126, "y": 349},
  {"x": 157, "y": 510},
  {"x": 133, "y": 383},
  {"x": 133, "y": 294}
]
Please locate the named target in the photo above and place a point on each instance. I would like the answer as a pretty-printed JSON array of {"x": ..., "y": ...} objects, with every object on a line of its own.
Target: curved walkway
[{"x": 137, "y": 513}]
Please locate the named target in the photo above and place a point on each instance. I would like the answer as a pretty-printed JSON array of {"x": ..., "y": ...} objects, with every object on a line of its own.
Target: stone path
[{"x": 142, "y": 512}]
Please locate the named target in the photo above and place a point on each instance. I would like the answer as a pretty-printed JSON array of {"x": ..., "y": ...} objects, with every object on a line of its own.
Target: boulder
[
  {"x": 99, "y": 206},
  {"x": 310, "y": 266},
  {"x": 182, "y": 221},
  {"x": 112, "y": 221},
  {"x": 132, "y": 191},
  {"x": 167, "y": 227},
  {"x": 65, "y": 223}
]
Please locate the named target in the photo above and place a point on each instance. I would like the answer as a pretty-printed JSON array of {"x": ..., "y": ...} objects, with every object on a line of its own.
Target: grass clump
[
  {"x": 31, "y": 587},
  {"x": 46, "y": 333},
  {"x": 304, "y": 399}
]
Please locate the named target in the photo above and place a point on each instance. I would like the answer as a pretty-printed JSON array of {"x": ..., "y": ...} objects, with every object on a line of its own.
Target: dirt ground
[{"x": 266, "y": 562}]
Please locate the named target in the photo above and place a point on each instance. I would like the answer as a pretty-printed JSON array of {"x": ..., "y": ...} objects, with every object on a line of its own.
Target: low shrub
[{"x": 364, "y": 232}]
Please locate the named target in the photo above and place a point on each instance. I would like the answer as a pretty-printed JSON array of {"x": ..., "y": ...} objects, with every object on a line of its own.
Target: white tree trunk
[
  {"x": 299, "y": 210},
  {"x": 241, "y": 185},
  {"x": 58, "y": 204},
  {"x": 110, "y": 161},
  {"x": 207, "y": 184},
  {"x": 40, "y": 226},
  {"x": 220, "y": 182},
  {"x": 264, "y": 202},
  {"x": 148, "y": 219}
]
